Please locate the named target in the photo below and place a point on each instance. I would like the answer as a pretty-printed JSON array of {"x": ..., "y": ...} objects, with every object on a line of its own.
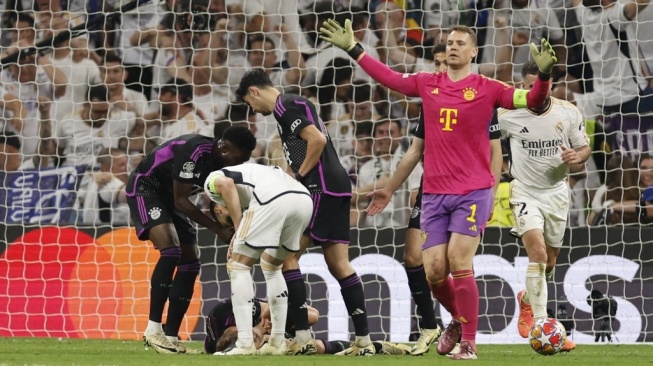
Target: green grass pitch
[{"x": 41, "y": 351}]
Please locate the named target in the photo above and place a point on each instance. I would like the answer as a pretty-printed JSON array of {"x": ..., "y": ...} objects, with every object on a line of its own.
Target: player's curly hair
[
  {"x": 240, "y": 137},
  {"x": 256, "y": 77}
]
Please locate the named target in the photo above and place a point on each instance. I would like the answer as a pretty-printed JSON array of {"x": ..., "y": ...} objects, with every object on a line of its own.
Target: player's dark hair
[
  {"x": 338, "y": 71},
  {"x": 242, "y": 138},
  {"x": 258, "y": 38},
  {"x": 465, "y": 29},
  {"x": 98, "y": 93},
  {"x": 529, "y": 68},
  {"x": 384, "y": 121},
  {"x": 257, "y": 77},
  {"x": 363, "y": 128},
  {"x": 439, "y": 48}
]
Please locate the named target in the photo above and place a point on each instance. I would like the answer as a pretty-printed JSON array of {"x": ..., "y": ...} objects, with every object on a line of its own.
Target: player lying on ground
[
  {"x": 222, "y": 333},
  {"x": 158, "y": 194},
  {"x": 544, "y": 142},
  {"x": 457, "y": 199},
  {"x": 256, "y": 199}
]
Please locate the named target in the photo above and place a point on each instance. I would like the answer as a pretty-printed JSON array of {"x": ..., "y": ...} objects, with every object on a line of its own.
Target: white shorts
[
  {"x": 276, "y": 227},
  {"x": 543, "y": 209}
]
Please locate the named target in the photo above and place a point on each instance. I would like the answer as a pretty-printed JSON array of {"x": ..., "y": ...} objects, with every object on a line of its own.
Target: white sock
[
  {"x": 153, "y": 328},
  {"x": 363, "y": 341},
  {"x": 278, "y": 301},
  {"x": 172, "y": 339},
  {"x": 537, "y": 290},
  {"x": 242, "y": 293},
  {"x": 302, "y": 336}
]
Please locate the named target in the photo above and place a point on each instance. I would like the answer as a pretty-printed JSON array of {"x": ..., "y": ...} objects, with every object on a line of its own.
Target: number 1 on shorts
[{"x": 472, "y": 217}]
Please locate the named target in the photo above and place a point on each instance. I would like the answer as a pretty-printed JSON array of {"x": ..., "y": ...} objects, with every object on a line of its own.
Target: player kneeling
[{"x": 277, "y": 210}]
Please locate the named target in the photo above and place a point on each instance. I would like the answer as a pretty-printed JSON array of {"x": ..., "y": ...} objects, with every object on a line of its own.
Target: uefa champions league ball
[{"x": 547, "y": 336}]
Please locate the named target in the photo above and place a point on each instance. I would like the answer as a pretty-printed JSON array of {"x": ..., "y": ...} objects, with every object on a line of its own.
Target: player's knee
[
  {"x": 340, "y": 268},
  {"x": 412, "y": 259},
  {"x": 233, "y": 266},
  {"x": 537, "y": 254},
  {"x": 268, "y": 266}
]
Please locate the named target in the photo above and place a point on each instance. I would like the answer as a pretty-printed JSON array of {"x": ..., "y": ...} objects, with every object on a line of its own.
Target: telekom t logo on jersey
[{"x": 448, "y": 116}]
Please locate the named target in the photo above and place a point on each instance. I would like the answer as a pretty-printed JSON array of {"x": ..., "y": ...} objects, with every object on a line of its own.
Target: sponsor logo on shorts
[
  {"x": 155, "y": 213},
  {"x": 522, "y": 222}
]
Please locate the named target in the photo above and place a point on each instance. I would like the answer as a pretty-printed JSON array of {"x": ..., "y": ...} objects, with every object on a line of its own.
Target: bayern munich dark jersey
[
  {"x": 293, "y": 113},
  {"x": 186, "y": 159}
]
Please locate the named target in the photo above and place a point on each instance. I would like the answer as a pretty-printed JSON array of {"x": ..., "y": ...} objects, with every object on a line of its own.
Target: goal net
[{"x": 87, "y": 89}]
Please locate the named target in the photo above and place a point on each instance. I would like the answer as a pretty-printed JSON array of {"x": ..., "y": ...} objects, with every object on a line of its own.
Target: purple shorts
[{"x": 443, "y": 214}]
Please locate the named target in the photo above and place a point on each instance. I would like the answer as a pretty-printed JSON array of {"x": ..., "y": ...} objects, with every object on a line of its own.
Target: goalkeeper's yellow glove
[
  {"x": 343, "y": 38},
  {"x": 544, "y": 58}
]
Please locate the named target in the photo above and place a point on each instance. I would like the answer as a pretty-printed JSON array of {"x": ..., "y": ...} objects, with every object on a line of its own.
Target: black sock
[
  {"x": 333, "y": 347},
  {"x": 378, "y": 346},
  {"x": 421, "y": 293},
  {"x": 351, "y": 289},
  {"x": 162, "y": 280},
  {"x": 180, "y": 295},
  {"x": 297, "y": 299}
]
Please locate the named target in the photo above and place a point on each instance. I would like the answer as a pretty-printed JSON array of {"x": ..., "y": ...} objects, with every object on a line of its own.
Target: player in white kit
[
  {"x": 543, "y": 144},
  {"x": 277, "y": 210}
]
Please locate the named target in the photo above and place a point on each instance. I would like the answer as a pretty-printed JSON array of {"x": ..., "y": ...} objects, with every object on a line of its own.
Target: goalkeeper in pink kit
[{"x": 458, "y": 198}]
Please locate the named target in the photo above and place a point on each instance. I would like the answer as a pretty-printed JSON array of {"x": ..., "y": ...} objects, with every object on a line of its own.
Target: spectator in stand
[
  {"x": 121, "y": 99},
  {"x": 352, "y": 163},
  {"x": 403, "y": 27},
  {"x": 261, "y": 53},
  {"x": 80, "y": 71},
  {"x": 178, "y": 114},
  {"x": 10, "y": 158},
  {"x": 25, "y": 29},
  {"x": 529, "y": 21},
  {"x": 33, "y": 79},
  {"x": 440, "y": 15},
  {"x": 618, "y": 79},
  {"x": 360, "y": 104},
  {"x": 620, "y": 188},
  {"x": 333, "y": 89},
  {"x": 105, "y": 201},
  {"x": 82, "y": 135},
  {"x": 645, "y": 171},
  {"x": 387, "y": 152}
]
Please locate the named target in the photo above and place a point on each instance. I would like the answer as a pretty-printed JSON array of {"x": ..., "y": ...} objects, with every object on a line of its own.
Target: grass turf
[{"x": 44, "y": 351}]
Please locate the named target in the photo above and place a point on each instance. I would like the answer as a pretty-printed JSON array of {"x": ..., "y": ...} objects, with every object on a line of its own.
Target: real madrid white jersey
[{"x": 536, "y": 140}]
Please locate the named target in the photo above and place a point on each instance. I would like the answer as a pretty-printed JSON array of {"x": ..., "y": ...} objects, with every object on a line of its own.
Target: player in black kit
[
  {"x": 158, "y": 194},
  {"x": 315, "y": 163}
]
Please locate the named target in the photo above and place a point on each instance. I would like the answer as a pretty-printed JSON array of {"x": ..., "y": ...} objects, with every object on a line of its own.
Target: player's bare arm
[
  {"x": 226, "y": 188},
  {"x": 181, "y": 192},
  {"x": 575, "y": 156},
  {"x": 315, "y": 142},
  {"x": 381, "y": 197}
]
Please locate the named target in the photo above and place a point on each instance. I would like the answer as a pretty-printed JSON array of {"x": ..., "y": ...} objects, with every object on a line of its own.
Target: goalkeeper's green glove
[
  {"x": 545, "y": 58},
  {"x": 335, "y": 34}
]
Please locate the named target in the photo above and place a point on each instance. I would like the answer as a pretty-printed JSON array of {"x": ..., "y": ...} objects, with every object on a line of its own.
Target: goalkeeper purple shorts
[{"x": 443, "y": 214}]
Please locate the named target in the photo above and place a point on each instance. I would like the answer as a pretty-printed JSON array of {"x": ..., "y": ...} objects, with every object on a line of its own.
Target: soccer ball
[{"x": 547, "y": 336}]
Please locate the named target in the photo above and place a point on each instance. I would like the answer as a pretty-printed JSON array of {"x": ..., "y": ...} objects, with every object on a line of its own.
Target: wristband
[
  {"x": 356, "y": 51},
  {"x": 543, "y": 76},
  {"x": 298, "y": 177}
]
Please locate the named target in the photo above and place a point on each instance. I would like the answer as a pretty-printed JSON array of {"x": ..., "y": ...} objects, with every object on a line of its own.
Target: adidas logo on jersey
[{"x": 524, "y": 130}]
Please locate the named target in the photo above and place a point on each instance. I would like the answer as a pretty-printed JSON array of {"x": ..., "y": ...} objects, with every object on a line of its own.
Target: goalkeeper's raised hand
[
  {"x": 332, "y": 32},
  {"x": 545, "y": 58}
]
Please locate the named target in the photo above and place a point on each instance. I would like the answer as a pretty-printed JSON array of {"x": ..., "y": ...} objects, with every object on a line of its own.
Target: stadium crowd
[{"x": 106, "y": 98}]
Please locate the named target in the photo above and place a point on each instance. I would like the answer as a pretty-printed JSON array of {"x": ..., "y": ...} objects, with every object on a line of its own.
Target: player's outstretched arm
[
  {"x": 343, "y": 38},
  {"x": 381, "y": 197},
  {"x": 226, "y": 188}
]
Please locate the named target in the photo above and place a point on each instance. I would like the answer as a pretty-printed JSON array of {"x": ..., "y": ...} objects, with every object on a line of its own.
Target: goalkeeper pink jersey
[{"x": 456, "y": 120}]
